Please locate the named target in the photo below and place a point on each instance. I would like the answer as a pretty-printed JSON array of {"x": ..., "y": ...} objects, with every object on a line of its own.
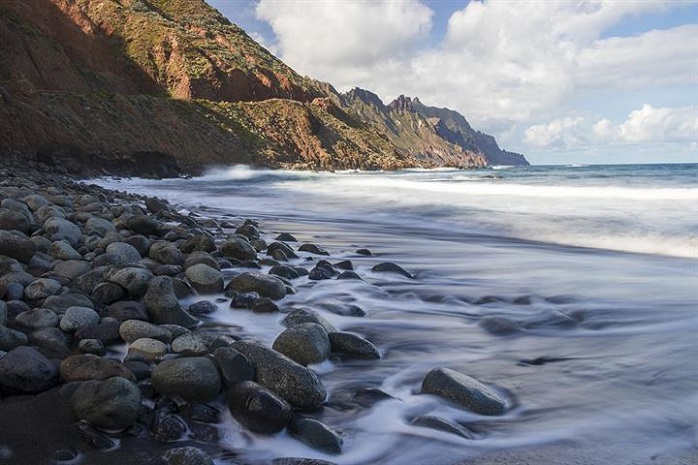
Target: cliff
[{"x": 161, "y": 87}]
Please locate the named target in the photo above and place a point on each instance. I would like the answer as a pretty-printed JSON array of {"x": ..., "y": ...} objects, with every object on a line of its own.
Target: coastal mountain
[{"x": 162, "y": 87}]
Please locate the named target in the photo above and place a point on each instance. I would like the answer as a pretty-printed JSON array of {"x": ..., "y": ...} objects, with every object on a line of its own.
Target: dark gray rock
[
  {"x": 112, "y": 404},
  {"x": 189, "y": 345},
  {"x": 286, "y": 237},
  {"x": 249, "y": 231},
  {"x": 285, "y": 271},
  {"x": 17, "y": 247},
  {"x": 205, "y": 258},
  {"x": 61, "y": 229},
  {"x": 92, "y": 346},
  {"x": 163, "y": 306},
  {"x": 42, "y": 288},
  {"x": 84, "y": 367},
  {"x": 10, "y": 338},
  {"x": 140, "y": 243},
  {"x": 389, "y": 267},
  {"x": 127, "y": 254},
  {"x": 3, "y": 312},
  {"x": 26, "y": 369},
  {"x": 349, "y": 275},
  {"x": 60, "y": 303},
  {"x": 264, "y": 285},
  {"x": 313, "y": 249},
  {"x": 264, "y": 305},
  {"x": 353, "y": 346},
  {"x": 52, "y": 342},
  {"x": 198, "y": 243},
  {"x": 300, "y": 461},
  {"x": 295, "y": 383},
  {"x": 49, "y": 211},
  {"x": 440, "y": 424},
  {"x": 35, "y": 201},
  {"x": 195, "y": 379},
  {"x": 238, "y": 249},
  {"x": 202, "y": 307},
  {"x": 257, "y": 408},
  {"x": 134, "y": 280},
  {"x": 76, "y": 318},
  {"x": 307, "y": 315},
  {"x": 165, "y": 252},
  {"x": 186, "y": 456},
  {"x": 204, "y": 279},
  {"x": 280, "y": 246},
  {"x": 107, "y": 332},
  {"x": 306, "y": 343},
  {"x": 14, "y": 220},
  {"x": 37, "y": 318},
  {"x": 62, "y": 250},
  {"x": 107, "y": 293},
  {"x": 316, "y": 434},
  {"x": 131, "y": 330},
  {"x": 464, "y": 391},
  {"x": 144, "y": 224},
  {"x": 167, "y": 427},
  {"x": 71, "y": 269},
  {"x": 146, "y": 348},
  {"x": 93, "y": 437},
  {"x": 127, "y": 310},
  {"x": 99, "y": 226},
  {"x": 499, "y": 325},
  {"x": 233, "y": 366}
]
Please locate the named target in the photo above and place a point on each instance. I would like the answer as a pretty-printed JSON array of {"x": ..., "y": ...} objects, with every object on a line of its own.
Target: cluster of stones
[{"x": 82, "y": 268}]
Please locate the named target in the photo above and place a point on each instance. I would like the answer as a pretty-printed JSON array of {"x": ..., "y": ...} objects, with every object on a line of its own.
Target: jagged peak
[
  {"x": 365, "y": 96},
  {"x": 402, "y": 103}
]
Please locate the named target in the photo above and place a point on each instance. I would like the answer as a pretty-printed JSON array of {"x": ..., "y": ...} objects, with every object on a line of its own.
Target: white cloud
[{"x": 647, "y": 124}]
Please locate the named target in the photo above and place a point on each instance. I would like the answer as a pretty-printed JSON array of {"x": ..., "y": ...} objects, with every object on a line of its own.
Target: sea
[{"x": 570, "y": 290}]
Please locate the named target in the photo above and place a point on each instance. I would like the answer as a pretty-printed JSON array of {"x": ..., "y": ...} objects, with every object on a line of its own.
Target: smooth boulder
[
  {"x": 306, "y": 343},
  {"x": 264, "y": 285},
  {"x": 195, "y": 379},
  {"x": 257, "y": 408},
  {"x": 26, "y": 369},
  {"x": 464, "y": 391},
  {"x": 112, "y": 404},
  {"x": 163, "y": 306}
]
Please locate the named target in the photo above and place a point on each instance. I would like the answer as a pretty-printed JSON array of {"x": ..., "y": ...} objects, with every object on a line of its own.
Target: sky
[{"x": 561, "y": 81}]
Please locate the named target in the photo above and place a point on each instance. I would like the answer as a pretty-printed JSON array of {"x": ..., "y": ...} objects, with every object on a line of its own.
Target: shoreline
[{"x": 58, "y": 430}]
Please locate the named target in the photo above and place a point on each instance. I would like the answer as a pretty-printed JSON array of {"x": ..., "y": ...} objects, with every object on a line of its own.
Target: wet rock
[
  {"x": 99, "y": 226},
  {"x": 204, "y": 279},
  {"x": 323, "y": 270},
  {"x": 264, "y": 285},
  {"x": 189, "y": 345},
  {"x": 176, "y": 330},
  {"x": 35, "y": 201},
  {"x": 257, "y": 408},
  {"x": 140, "y": 243},
  {"x": 167, "y": 427},
  {"x": 343, "y": 309},
  {"x": 285, "y": 271},
  {"x": 353, "y": 346},
  {"x": 286, "y": 237},
  {"x": 17, "y": 247},
  {"x": 134, "y": 280},
  {"x": 60, "y": 303},
  {"x": 94, "y": 438},
  {"x": 249, "y": 231},
  {"x": 233, "y": 366},
  {"x": 464, "y": 391},
  {"x": 192, "y": 378},
  {"x": 243, "y": 300},
  {"x": 499, "y": 325},
  {"x": 155, "y": 205},
  {"x": 92, "y": 346},
  {"x": 71, "y": 269},
  {"x": 440, "y": 424},
  {"x": 131, "y": 330},
  {"x": 306, "y": 343},
  {"x": 127, "y": 254},
  {"x": 165, "y": 252},
  {"x": 238, "y": 249},
  {"x": 389, "y": 267},
  {"x": 307, "y": 315},
  {"x": 313, "y": 249},
  {"x": 144, "y": 224},
  {"x": 26, "y": 369},
  {"x": 344, "y": 265},
  {"x": 14, "y": 220},
  {"x": 149, "y": 349},
  {"x": 316, "y": 434},
  {"x": 62, "y": 250},
  {"x": 127, "y": 310},
  {"x": 163, "y": 306},
  {"x": 3, "y": 312},
  {"x": 349, "y": 275},
  {"x": 204, "y": 258},
  {"x": 198, "y": 243},
  {"x": 61, "y": 229},
  {"x": 10, "y": 338},
  {"x": 295, "y": 383},
  {"x": 112, "y": 404},
  {"x": 186, "y": 456},
  {"x": 287, "y": 251},
  {"x": 202, "y": 307},
  {"x": 52, "y": 342},
  {"x": 369, "y": 396},
  {"x": 107, "y": 332},
  {"x": 264, "y": 305},
  {"x": 364, "y": 252},
  {"x": 76, "y": 318},
  {"x": 37, "y": 318},
  {"x": 49, "y": 211},
  {"x": 84, "y": 367},
  {"x": 107, "y": 293}
]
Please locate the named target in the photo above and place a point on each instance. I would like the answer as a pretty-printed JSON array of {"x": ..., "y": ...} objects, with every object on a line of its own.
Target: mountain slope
[{"x": 164, "y": 86}]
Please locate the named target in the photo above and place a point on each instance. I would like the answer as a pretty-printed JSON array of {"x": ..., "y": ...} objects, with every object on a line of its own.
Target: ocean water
[{"x": 594, "y": 269}]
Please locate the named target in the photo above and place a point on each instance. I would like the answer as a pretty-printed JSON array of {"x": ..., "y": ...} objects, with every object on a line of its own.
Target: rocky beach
[{"x": 101, "y": 361}]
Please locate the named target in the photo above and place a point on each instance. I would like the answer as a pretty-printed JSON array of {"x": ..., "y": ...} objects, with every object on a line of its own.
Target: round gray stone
[
  {"x": 195, "y": 379},
  {"x": 112, "y": 404},
  {"x": 42, "y": 288},
  {"x": 130, "y": 330},
  {"x": 464, "y": 391},
  {"x": 76, "y": 318},
  {"x": 127, "y": 253},
  {"x": 26, "y": 369},
  {"x": 204, "y": 279},
  {"x": 306, "y": 343}
]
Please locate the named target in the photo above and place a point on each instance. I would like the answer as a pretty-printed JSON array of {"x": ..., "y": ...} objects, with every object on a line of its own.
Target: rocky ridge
[{"x": 159, "y": 88}]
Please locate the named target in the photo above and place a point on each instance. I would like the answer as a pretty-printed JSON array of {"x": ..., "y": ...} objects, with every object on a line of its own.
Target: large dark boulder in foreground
[
  {"x": 257, "y": 408},
  {"x": 305, "y": 343},
  {"x": 238, "y": 249},
  {"x": 264, "y": 285},
  {"x": 464, "y": 391},
  {"x": 26, "y": 369},
  {"x": 195, "y": 379},
  {"x": 15, "y": 246},
  {"x": 113, "y": 404},
  {"x": 298, "y": 385}
]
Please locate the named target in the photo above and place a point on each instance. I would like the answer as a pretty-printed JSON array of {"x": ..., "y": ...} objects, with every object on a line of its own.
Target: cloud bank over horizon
[{"x": 543, "y": 77}]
